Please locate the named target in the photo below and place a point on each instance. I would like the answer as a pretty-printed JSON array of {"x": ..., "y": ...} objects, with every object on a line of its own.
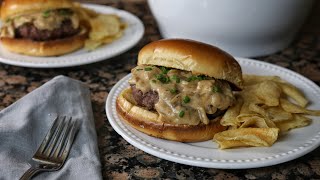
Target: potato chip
[
  {"x": 258, "y": 109},
  {"x": 277, "y": 114},
  {"x": 110, "y": 39},
  {"x": 246, "y": 137},
  {"x": 296, "y": 122},
  {"x": 245, "y": 108},
  {"x": 293, "y": 108},
  {"x": 250, "y": 79},
  {"x": 104, "y": 26},
  {"x": 255, "y": 120},
  {"x": 229, "y": 118},
  {"x": 269, "y": 92},
  {"x": 249, "y": 97},
  {"x": 294, "y": 93},
  {"x": 264, "y": 110},
  {"x": 91, "y": 44}
]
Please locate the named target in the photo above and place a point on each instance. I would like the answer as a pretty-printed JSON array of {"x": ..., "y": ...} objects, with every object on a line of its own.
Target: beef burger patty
[{"x": 29, "y": 31}]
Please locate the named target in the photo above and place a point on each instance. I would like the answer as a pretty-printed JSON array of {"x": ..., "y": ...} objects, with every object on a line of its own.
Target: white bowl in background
[{"x": 245, "y": 28}]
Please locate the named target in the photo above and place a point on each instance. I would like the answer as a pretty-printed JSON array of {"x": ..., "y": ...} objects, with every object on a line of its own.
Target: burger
[
  {"x": 41, "y": 27},
  {"x": 180, "y": 90}
]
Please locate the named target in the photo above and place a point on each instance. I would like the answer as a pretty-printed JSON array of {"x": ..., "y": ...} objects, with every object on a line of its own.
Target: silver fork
[{"x": 54, "y": 148}]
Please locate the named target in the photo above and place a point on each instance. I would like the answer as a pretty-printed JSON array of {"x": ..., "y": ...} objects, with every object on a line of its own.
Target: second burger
[{"x": 179, "y": 90}]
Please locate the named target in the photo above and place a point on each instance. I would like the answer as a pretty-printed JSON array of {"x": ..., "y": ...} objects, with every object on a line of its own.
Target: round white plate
[
  {"x": 296, "y": 143},
  {"x": 132, "y": 35}
]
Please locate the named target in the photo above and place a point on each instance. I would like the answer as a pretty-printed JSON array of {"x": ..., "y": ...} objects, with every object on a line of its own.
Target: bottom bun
[
  {"x": 148, "y": 122},
  {"x": 45, "y": 48}
]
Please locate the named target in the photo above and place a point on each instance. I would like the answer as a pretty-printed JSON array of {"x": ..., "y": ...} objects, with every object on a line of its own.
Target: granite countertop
[{"x": 121, "y": 160}]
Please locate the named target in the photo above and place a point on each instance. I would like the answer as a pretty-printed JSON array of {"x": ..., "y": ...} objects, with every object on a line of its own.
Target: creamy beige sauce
[
  {"x": 49, "y": 20},
  {"x": 7, "y": 30},
  {"x": 175, "y": 87}
]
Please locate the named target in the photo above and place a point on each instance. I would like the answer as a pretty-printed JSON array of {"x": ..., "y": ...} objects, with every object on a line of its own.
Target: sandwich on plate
[
  {"x": 41, "y": 27},
  {"x": 179, "y": 90}
]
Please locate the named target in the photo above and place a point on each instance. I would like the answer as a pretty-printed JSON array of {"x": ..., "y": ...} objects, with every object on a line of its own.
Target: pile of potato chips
[
  {"x": 265, "y": 108},
  {"x": 104, "y": 28}
]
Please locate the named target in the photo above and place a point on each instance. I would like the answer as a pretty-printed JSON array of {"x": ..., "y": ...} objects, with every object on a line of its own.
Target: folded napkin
[{"x": 24, "y": 124}]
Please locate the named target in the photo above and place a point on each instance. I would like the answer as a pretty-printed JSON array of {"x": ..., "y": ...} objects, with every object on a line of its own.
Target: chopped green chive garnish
[
  {"x": 201, "y": 77},
  {"x": 139, "y": 69},
  {"x": 175, "y": 78},
  {"x": 186, "y": 99},
  {"x": 216, "y": 89},
  {"x": 192, "y": 78},
  {"x": 148, "y": 69},
  {"x": 162, "y": 78},
  {"x": 195, "y": 78},
  {"x": 46, "y": 13},
  {"x": 154, "y": 81},
  {"x": 173, "y": 90},
  {"x": 181, "y": 114},
  {"x": 164, "y": 70},
  {"x": 159, "y": 76},
  {"x": 65, "y": 12}
]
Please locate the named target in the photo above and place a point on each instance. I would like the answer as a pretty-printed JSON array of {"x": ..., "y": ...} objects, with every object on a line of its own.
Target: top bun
[
  {"x": 10, "y": 8},
  {"x": 197, "y": 57}
]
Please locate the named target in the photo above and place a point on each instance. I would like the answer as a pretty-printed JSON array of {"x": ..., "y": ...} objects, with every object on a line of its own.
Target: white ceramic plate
[
  {"x": 132, "y": 35},
  {"x": 296, "y": 143}
]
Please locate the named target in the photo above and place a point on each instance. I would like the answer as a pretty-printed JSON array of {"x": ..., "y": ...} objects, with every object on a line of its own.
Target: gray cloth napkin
[{"x": 24, "y": 124}]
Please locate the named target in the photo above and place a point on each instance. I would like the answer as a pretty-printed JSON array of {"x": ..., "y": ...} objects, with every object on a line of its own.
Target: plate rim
[
  {"x": 310, "y": 145},
  {"x": 80, "y": 61}
]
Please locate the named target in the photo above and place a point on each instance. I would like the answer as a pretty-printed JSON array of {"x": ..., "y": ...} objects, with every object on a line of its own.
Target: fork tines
[{"x": 58, "y": 141}]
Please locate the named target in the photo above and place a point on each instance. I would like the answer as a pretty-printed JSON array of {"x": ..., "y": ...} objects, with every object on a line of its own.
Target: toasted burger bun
[
  {"x": 148, "y": 122},
  {"x": 199, "y": 58},
  {"x": 45, "y": 48},
  {"x": 12, "y": 8}
]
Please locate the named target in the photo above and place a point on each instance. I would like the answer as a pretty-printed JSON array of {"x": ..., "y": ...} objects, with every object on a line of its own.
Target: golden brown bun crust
[
  {"x": 148, "y": 123},
  {"x": 197, "y": 57},
  {"x": 44, "y": 48},
  {"x": 15, "y": 7}
]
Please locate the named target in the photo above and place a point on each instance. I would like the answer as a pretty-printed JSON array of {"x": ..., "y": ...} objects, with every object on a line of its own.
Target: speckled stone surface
[{"x": 119, "y": 159}]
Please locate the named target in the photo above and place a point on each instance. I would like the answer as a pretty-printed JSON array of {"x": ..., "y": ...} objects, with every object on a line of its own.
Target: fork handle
[{"x": 30, "y": 172}]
